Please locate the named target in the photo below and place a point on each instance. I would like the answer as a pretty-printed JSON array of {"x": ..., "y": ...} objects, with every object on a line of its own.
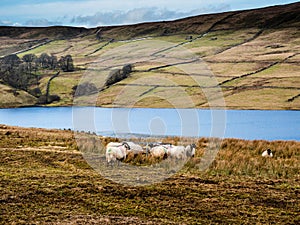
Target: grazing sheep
[
  {"x": 114, "y": 144},
  {"x": 160, "y": 151},
  {"x": 154, "y": 144},
  {"x": 148, "y": 146},
  {"x": 135, "y": 148},
  {"x": 267, "y": 153},
  {"x": 116, "y": 152},
  {"x": 190, "y": 150},
  {"x": 177, "y": 152},
  {"x": 181, "y": 152}
]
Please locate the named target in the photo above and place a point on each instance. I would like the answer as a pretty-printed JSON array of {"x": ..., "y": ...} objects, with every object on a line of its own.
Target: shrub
[{"x": 118, "y": 75}]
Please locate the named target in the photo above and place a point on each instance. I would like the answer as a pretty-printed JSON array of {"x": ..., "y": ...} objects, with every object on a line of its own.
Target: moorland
[{"x": 46, "y": 180}]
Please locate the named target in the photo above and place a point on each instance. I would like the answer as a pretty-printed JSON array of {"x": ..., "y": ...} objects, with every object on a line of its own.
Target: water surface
[{"x": 244, "y": 124}]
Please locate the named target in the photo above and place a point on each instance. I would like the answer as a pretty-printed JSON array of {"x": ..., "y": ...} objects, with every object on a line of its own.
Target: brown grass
[{"x": 45, "y": 180}]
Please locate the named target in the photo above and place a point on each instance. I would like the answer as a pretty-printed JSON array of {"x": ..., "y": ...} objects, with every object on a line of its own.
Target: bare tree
[
  {"x": 66, "y": 63},
  {"x": 30, "y": 60}
]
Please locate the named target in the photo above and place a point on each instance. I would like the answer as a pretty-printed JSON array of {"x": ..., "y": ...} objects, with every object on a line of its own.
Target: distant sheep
[
  {"x": 267, "y": 153},
  {"x": 116, "y": 152}
]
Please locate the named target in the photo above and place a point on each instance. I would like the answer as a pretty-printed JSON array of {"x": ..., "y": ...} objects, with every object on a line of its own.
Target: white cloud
[
  {"x": 118, "y": 17},
  {"x": 6, "y": 23},
  {"x": 108, "y": 12},
  {"x": 57, "y": 8},
  {"x": 54, "y": 9},
  {"x": 41, "y": 23},
  {"x": 139, "y": 15}
]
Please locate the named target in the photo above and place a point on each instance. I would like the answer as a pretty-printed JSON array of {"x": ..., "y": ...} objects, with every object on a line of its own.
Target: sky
[{"x": 93, "y": 13}]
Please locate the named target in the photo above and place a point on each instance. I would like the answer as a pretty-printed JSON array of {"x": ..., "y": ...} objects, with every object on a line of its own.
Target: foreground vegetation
[{"x": 45, "y": 180}]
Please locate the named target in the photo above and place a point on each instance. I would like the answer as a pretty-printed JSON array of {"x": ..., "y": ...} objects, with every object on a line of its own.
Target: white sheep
[
  {"x": 116, "y": 152},
  {"x": 177, "y": 152},
  {"x": 135, "y": 148},
  {"x": 267, "y": 153},
  {"x": 181, "y": 152},
  {"x": 161, "y": 151},
  {"x": 114, "y": 144}
]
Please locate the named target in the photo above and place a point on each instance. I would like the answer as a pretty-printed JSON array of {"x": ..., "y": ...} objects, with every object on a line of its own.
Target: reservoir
[{"x": 243, "y": 124}]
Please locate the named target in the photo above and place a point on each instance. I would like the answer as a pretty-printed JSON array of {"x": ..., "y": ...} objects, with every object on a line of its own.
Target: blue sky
[{"x": 92, "y": 13}]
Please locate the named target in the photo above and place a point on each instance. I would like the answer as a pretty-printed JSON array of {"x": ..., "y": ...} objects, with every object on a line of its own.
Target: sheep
[
  {"x": 135, "y": 148},
  {"x": 190, "y": 150},
  {"x": 177, "y": 152},
  {"x": 160, "y": 151},
  {"x": 267, "y": 153},
  {"x": 114, "y": 144},
  {"x": 155, "y": 144},
  {"x": 116, "y": 152},
  {"x": 181, "y": 152},
  {"x": 149, "y": 146}
]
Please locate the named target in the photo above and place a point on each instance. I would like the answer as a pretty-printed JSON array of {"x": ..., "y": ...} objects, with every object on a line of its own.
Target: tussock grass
[
  {"x": 45, "y": 179},
  {"x": 241, "y": 157},
  {"x": 235, "y": 156}
]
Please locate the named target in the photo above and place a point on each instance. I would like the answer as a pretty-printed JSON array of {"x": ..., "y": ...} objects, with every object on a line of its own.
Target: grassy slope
[
  {"x": 44, "y": 179},
  {"x": 19, "y": 98},
  {"x": 248, "y": 54}
]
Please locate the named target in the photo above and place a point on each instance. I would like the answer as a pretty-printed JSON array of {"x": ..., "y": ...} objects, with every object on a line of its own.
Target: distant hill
[
  {"x": 274, "y": 17},
  {"x": 253, "y": 54}
]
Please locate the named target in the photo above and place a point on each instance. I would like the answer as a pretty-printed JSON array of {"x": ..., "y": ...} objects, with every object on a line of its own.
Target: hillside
[{"x": 252, "y": 55}]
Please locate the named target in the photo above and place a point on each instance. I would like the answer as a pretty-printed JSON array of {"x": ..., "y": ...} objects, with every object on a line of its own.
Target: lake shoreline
[
  {"x": 138, "y": 107},
  {"x": 134, "y": 136}
]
